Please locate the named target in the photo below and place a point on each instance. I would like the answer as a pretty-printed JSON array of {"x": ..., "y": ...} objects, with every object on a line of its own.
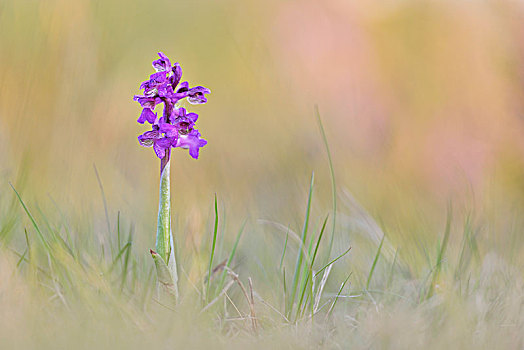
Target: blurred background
[{"x": 422, "y": 103}]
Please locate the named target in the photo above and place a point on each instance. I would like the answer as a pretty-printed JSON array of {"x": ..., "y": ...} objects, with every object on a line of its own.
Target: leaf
[{"x": 163, "y": 273}]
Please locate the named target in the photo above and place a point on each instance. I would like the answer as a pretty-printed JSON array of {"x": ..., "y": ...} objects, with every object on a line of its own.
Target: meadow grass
[
  {"x": 60, "y": 289},
  {"x": 422, "y": 101}
]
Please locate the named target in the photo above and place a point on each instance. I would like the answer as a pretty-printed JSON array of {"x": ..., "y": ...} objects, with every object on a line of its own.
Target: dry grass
[{"x": 421, "y": 103}]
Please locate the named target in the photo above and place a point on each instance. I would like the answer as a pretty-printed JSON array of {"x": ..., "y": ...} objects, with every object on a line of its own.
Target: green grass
[
  {"x": 333, "y": 182},
  {"x": 212, "y": 253},
  {"x": 362, "y": 297},
  {"x": 301, "y": 256}
]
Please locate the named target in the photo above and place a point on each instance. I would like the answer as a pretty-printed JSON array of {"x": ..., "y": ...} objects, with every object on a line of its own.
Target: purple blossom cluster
[{"x": 176, "y": 127}]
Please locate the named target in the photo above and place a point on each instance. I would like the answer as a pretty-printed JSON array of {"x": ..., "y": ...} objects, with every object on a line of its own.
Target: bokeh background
[{"x": 422, "y": 103}]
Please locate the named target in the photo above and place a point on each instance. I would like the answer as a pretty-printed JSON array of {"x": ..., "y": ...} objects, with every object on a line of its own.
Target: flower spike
[{"x": 176, "y": 127}]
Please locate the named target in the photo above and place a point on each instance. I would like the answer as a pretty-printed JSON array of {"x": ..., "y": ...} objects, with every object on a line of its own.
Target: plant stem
[{"x": 164, "y": 238}]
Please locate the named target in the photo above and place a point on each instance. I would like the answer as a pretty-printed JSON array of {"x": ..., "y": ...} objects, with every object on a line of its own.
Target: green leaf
[{"x": 163, "y": 273}]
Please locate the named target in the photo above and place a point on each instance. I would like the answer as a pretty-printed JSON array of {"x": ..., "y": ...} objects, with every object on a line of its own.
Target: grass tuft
[
  {"x": 212, "y": 253},
  {"x": 300, "y": 254}
]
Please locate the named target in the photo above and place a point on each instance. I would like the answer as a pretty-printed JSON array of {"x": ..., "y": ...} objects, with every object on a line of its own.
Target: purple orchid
[
  {"x": 192, "y": 141},
  {"x": 157, "y": 140},
  {"x": 176, "y": 127}
]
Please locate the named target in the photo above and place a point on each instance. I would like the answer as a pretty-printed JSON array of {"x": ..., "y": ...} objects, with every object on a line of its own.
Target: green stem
[{"x": 164, "y": 237}]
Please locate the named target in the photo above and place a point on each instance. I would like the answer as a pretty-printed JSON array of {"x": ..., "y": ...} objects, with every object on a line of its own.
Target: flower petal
[
  {"x": 191, "y": 141},
  {"x": 148, "y": 138},
  {"x": 184, "y": 125},
  {"x": 183, "y": 87},
  {"x": 162, "y": 144},
  {"x": 164, "y": 90},
  {"x": 178, "y": 112},
  {"x": 162, "y": 64},
  {"x": 157, "y": 78},
  {"x": 196, "y": 95},
  {"x": 168, "y": 129},
  {"x": 192, "y": 116},
  {"x": 166, "y": 142},
  {"x": 147, "y": 102},
  {"x": 159, "y": 150},
  {"x": 147, "y": 114},
  {"x": 177, "y": 75}
]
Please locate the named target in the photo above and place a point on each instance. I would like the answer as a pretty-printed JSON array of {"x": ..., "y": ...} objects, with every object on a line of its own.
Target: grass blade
[
  {"x": 308, "y": 278},
  {"x": 333, "y": 182},
  {"x": 211, "y": 256},
  {"x": 103, "y": 198},
  {"x": 392, "y": 270},
  {"x": 318, "y": 241},
  {"x": 441, "y": 253},
  {"x": 126, "y": 261},
  {"x": 375, "y": 262},
  {"x": 35, "y": 225},
  {"x": 231, "y": 256},
  {"x": 304, "y": 281},
  {"x": 284, "y": 286},
  {"x": 284, "y": 250},
  {"x": 298, "y": 265},
  {"x": 332, "y": 262},
  {"x": 118, "y": 230},
  {"x": 26, "y": 251},
  {"x": 323, "y": 282},
  {"x": 120, "y": 253},
  {"x": 338, "y": 295},
  {"x": 234, "y": 249}
]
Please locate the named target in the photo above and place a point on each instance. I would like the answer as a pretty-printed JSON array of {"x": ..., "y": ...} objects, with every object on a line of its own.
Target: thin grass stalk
[
  {"x": 33, "y": 221},
  {"x": 333, "y": 182},
  {"x": 375, "y": 262},
  {"x": 103, "y": 198},
  {"x": 332, "y": 262},
  {"x": 441, "y": 253},
  {"x": 212, "y": 254},
  {"x": 298, "y": 264},
  {"x": 284, "y": 251},
  {"x": 308, "y": 280},
  {"x": 337, "y": 296},
  {"x": 323, "y": 282},
  {"x": 392, "y": 270},
  {"x": 231, "y": 256},
  {"x": 304, "y": 282},
  {"x": 125, "y": 266}
]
